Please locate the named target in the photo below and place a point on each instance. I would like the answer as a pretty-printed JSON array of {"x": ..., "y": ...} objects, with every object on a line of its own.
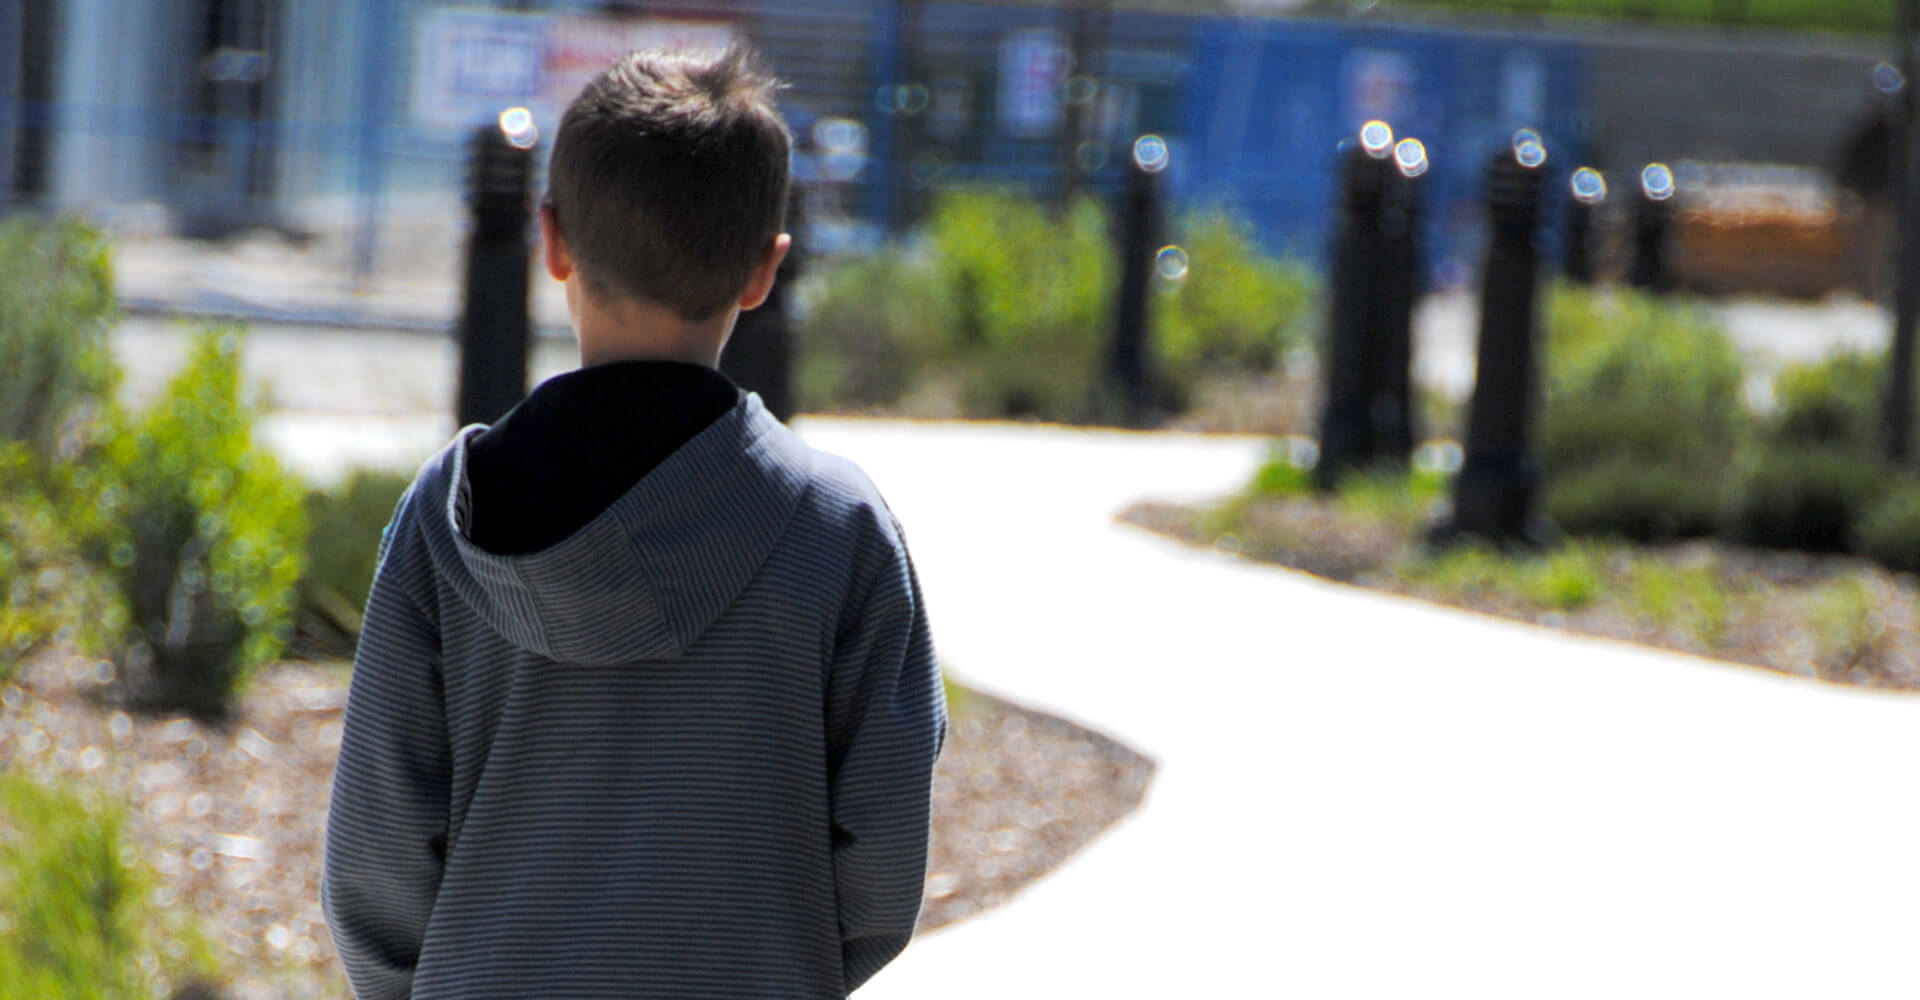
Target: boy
[{"x": 645, "y": 704}]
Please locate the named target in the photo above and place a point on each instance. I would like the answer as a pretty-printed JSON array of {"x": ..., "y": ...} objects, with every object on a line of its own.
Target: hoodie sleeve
[
  {"x": 887, "y": 722},
  {"x": 387, "y": 825}
]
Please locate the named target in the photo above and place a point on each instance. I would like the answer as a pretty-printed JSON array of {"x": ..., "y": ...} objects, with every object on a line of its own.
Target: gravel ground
[{"x": 232, "y": 817}]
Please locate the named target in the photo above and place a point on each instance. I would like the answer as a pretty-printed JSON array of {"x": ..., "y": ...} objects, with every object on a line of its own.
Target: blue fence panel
[{"x": 1269, "y": 101}]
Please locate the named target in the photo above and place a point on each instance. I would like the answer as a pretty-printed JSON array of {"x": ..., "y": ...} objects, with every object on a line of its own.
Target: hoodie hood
[{"x": 648, "y": 576}]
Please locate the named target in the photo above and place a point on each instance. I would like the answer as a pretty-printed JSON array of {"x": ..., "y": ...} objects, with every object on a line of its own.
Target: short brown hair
[{"x": 669, "y": 178}]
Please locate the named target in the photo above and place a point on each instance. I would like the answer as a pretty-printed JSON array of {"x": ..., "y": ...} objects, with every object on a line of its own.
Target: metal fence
[{"x": 346, "y": 123}]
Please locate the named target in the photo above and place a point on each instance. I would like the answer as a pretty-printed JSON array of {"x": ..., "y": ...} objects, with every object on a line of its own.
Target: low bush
[
  {"x": 1620, "y": 496},
  {"x": 1834, "y": 403},
  {"x": 201, "y": 535},
  {"x": 1888, "y": 532},
  {"x": 1641, "y": 396},
  {"x": 56, "y": 309},
  {"x": 44, "y": 585},
  {"x": 1566, "y": 579},
  {"x": 872, "y": 326},
  {"x": 1012, "y": 300},
  {"x": 1032, "y": 290},
  {"x": 1236, "y": 306},
  {"x": 344, "y": 525},
  {"x": 1805, "y": 498},
  {"x": 1402, "y": 498},
  {"x": 1816, "y": 472},
  {"x": 77, "y": 918}
]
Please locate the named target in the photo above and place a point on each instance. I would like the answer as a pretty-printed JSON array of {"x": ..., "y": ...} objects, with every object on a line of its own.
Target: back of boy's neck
[{"x": 629, "y": 332}]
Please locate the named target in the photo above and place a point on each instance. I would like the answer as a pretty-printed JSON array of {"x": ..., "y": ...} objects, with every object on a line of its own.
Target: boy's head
[{"x": 668, "y": 180}]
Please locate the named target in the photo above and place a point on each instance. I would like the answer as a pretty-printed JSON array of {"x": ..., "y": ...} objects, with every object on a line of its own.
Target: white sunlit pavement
[{"x": 1362, "y": 796}]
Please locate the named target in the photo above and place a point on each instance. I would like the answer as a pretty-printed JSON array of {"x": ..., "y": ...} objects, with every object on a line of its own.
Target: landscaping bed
[
  {"x": 232, "y": 818},
  {"x": 1834, "y": 618}
]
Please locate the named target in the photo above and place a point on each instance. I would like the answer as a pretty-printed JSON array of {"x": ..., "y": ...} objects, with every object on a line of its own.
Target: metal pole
[
  {"x": 1493, "y": 494},
  {"x": 1346, "y": 418},
  {"x": 1397, "y": 289},
  {"x": 11, "y": 16},
  {"x": 1898, "y": 405},
  {"x": 759, "y": 355},
  {"x": 1589, "y": 193},
  {"x": 377, "y": 23},
  {"x": 1140, "y": 237},
  {"x": 495, "y": 323},
  {"x": 1652, "y": 231}
]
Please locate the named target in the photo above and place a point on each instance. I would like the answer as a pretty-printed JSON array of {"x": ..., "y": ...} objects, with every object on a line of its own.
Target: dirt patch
[{"x": 232, "y": 818}]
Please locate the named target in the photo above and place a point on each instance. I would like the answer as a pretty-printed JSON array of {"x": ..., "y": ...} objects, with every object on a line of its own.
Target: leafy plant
[
  {"x": 56, "y": 309},
  {"x": 1236, "y": 306},
  {"x": 77, "y": 920},
  {"x": 872, "y": 327},
  {"x": 1642, "y": 420},
  {"x": 1403, "y": 498},
  {"x": 44, "y": 585},
  {"x": 1889, "y": 530},
  {"x": 1805, "y": 498},
  {"x": 1833, "y": 403},
  {"x": 1032, "y": 289},
  {"x": 343, "y": 545},
  {"x": 201, "y": 534},
  {"x": 1012, "y": 300},
  {"x": 1845, "y": 625}
]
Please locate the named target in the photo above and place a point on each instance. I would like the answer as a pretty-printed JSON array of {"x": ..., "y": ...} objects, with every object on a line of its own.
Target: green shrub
[
  {"x": 1236, "y": 307},
  {"x": 343, "y": 546},
  {"x": 1889, "y": 531},
  {"x": 1282, "y": 475},
  {"x": 1806, "y": 498},
  {"x": 201, "y": 534},
  {"x": 56, "y": 309},
  {"x": 1012, "y": 300},
  {"x": 1620, "y": 496},
  {"x": 77, "y": 919},
  {"x": 1642, "y": 396},
  {"x": 872, "y": 326},
  {"x": 1832, "y": 403},
  {"x": 40, "y": 579},
  {"x": 1846, "y": 626},
  {"x": 1403, "y": 498},
  {"x": 1032, "y": 290}
]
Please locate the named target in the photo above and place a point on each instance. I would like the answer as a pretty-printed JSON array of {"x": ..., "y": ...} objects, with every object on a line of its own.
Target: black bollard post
[
  {"x": 1346, "y": 417},
  {"x": 1493, "y": 493},
  {"x": 759, "y": 355},
  {"x": 1396, "y": 289},
  {"x": 1140, "y": 235},
  {"x": 1589, "y": 193},
  {"x": 495, "y": 325},
  {"x": 1652, "y": 225}
]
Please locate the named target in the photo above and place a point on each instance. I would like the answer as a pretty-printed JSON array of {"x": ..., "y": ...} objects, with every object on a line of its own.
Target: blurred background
[
  {"x": 341, "y": 129},
  {"x": 1154, "y": 214}
]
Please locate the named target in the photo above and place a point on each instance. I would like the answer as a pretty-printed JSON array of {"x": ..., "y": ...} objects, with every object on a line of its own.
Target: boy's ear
[
  {"x": 760, "y": 284},
  {"x": 559, "y": 262}
]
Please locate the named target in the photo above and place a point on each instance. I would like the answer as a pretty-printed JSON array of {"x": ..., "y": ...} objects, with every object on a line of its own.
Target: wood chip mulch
[
  {"x": 231, "y": 817},
  {"x": 1774, "y": 617}
]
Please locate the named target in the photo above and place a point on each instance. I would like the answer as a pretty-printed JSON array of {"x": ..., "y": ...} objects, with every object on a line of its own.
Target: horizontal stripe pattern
[{"x": 685, "y": 753}]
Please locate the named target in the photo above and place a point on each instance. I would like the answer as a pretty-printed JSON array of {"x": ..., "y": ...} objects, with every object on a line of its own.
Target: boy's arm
[
  {"x": 387, "y": 825},
  {"x": 887, "y": 721}
]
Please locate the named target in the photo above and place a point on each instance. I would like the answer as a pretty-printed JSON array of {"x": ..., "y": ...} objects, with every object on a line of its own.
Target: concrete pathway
[{"x": 1362, "y": 796}]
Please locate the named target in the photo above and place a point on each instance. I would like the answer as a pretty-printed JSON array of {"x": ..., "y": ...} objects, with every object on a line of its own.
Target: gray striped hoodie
[{"x": 684, "y": 753}]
